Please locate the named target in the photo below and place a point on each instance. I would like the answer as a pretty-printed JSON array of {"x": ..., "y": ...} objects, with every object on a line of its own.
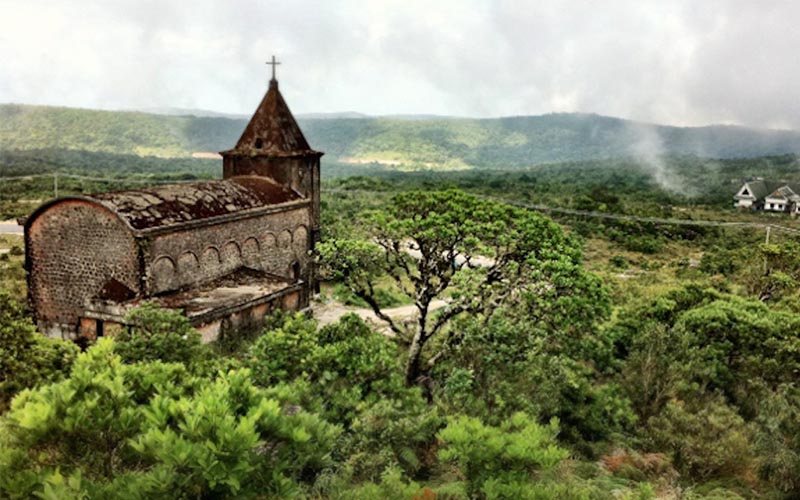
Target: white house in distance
[{"x": 770, "y": 196}]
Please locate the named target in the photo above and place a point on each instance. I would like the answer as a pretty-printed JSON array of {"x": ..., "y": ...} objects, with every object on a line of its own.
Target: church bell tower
[{"x": 272, "y": 145}]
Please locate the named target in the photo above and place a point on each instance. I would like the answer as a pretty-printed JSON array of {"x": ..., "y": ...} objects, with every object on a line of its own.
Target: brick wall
[
  {"x": 294, "y": 172},
  {"x": 271, "y": 242},
  {"x": 74, "y": 248}
]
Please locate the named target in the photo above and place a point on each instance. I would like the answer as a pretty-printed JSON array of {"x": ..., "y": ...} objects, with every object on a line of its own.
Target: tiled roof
[
  {"x": 178, "y": 203},
  {"x": 272, "y": 130}
]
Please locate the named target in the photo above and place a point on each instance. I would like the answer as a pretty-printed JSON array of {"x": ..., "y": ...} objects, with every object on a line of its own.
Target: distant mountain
[
  {"x": 409, "y": 143},
  {"x": 330, "y": 116},
  {"x": 417, "y": 117},
  {"x": 190, "y": 112}
]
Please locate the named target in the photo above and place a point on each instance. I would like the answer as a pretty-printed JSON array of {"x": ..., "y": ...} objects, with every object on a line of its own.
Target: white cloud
[{"x": 673, "y": 61}]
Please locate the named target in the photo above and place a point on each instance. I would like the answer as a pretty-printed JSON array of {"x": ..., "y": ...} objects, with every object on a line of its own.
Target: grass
[
  {"x": 12, "y": 258},
  {"x": 386, "y": 294}
]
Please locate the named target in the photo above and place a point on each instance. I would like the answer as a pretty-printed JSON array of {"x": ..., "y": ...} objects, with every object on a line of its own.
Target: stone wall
[
  {"x": 74, "y": 247},
  {"x": 272, "y": 243},
  {"x": 248, "y": 320},
  {"x": 295, "y": 172}
]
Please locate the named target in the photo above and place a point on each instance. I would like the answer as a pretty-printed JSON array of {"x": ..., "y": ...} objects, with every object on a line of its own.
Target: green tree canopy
[{"x": 476, "y": 254}]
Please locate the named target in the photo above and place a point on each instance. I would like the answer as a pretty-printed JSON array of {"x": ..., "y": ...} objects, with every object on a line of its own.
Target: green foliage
[
  {"x": 283, "y": 353},
  {"x": 158, "y": 334},
  {"x": 778, "y": 438},
  {"x": 651, "y": 375},
  {"x": 618, "y": 261},
  {"x": 711, "y": 377},
  {"x": 392, "y": 432},
  {"x": 228, "y": 439},
  {"x": 392, "y": 485},
  {"x": 350, "y": 375},
  {"x": 385, "y": 297},
  {"x": 442, "y": 144},
  {"x": 781, "y": 273},
  {"x": 152, "y": 430},
  {"x": 476, "y": 252},
  {"x": 735, "y": 344},
  {"x": 721, "y": 261},
  {"x": 27, "y": 359},
  {"x": 502, "y": 462},
  {"x": 705, "y": 437},
  {"x": 505, "y": 366}
]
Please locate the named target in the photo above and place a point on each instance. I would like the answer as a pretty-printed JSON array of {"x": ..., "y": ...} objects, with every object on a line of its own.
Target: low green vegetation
[
  {"x": 443, "y": 144},
  {"x": 551, "y": 355},
  {"x": 567, "y": 364}
]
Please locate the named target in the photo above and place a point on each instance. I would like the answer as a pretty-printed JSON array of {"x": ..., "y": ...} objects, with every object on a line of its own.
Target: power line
[
  {"x": 636, "y": 218},
  {"x": 604, "y": 215},
  {"x": 530, "y": 206}
]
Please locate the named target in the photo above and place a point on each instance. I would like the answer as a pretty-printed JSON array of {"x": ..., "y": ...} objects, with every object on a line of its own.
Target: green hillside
[
  {"x": 39, "y": 127},
  {"x": 396, "y": 143}
]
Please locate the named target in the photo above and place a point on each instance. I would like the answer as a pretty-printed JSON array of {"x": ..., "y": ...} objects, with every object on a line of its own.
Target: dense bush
[
  {"x": 27, "y": 359},
  {"x": 506, "y": 365},
  {"x": 503, "y": 461},
  {"x": 705, "y": 437},
  {"x": 152, "y": 430},
  {"x": 158, "y": 334},
  {"x": 778, "y": 438},
  {"x": 353, "y": 376}
]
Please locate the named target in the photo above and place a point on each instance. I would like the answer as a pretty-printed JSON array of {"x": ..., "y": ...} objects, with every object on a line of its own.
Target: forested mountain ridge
[{"x": 397, "y": 142}]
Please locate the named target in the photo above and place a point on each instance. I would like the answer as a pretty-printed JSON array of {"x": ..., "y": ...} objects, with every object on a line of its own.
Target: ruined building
[{"x": 225, "y": 252}]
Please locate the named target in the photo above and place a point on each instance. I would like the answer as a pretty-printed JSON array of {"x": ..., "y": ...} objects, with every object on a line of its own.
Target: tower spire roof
[{"x": 272, "y": 130}]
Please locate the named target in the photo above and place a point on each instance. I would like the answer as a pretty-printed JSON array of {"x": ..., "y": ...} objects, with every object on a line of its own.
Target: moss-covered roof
[{"x": 170, "y": 204}]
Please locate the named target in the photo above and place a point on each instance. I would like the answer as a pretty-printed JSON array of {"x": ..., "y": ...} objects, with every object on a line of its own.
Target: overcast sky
[{"x": 683, "y": 62}]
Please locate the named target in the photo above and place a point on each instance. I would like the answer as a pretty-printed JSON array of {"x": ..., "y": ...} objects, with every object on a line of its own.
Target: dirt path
[
  {"x": 331, "y": 312},
  {"x": 10, "y": 227}
]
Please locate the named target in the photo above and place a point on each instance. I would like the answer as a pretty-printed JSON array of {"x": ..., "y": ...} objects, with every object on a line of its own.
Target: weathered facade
[{"x": 224, "y": 252}]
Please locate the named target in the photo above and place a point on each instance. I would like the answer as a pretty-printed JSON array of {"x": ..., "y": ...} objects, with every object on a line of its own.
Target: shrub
[
  {"x": 353, "y": 376},
  {"x": 152, "y": 430},
  {"x": 504, "y": 461},
  {"x": 778, "y": 439},
  {"x": 618, "y": 261},
  {"x": 705, "y": 438},
  {"x": 27, "y": 359},
  {"x": 159, "y": 334}
]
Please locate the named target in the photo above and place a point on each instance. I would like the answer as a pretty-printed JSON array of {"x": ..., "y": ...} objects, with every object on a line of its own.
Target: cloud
[{"x": 672, "y": 61}]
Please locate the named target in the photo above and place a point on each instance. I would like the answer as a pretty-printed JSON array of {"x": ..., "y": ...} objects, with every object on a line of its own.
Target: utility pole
[
  {"x": 55, "y": 184},
  {"x": 766, "y": 242}
]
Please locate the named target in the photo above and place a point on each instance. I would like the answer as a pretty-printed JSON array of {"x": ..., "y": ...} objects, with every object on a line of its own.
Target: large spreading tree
[{"x": 476, "y": 255}]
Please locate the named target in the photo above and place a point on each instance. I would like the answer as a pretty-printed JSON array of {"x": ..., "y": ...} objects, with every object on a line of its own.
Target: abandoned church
[{"x": 225, "y": 252}]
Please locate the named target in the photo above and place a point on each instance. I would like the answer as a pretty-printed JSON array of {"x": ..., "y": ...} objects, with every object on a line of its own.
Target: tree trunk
[{"x": 413, "y": 363}]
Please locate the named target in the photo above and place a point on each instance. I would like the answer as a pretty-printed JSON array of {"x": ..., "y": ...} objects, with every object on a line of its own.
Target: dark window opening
[
  {"x": 746, "y": 192},
  {"x": 99, "y": 328},
  {"x": 116, "y": 291},
  {"x": 259, "y": 143},
  {"x": 296, "y": 271}
]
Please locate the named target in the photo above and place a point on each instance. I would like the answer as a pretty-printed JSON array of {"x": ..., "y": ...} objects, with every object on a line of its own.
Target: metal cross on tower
[{"x": 273, "y": 63}]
